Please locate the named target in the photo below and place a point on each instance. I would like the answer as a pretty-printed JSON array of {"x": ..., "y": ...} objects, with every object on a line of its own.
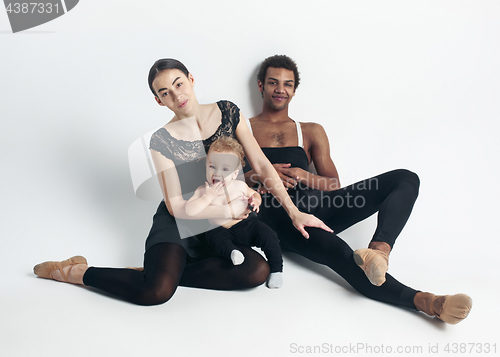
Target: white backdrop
[{"x": 411, "y": 84}]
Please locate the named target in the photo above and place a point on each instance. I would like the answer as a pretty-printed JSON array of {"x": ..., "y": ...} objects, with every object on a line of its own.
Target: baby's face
[{"x": 222, "y": 166}]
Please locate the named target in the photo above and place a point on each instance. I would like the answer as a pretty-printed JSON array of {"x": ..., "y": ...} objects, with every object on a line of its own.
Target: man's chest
[{"x": 275, "y": 136}]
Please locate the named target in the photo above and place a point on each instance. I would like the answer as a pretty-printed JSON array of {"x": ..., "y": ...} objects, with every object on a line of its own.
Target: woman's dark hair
[
  {"x": 279, "y": 61},
  {"x": 161, "y": 65}
]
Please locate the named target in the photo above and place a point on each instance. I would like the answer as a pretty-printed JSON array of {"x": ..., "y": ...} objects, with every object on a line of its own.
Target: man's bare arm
[{"x": 327, "y": 178}]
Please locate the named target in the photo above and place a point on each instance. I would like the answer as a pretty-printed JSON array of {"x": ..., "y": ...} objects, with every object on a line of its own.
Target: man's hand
[
  {"x": 287, "y": 177},
  {"x": 302, "y": 220},
  {"x": 295, "y": 173}
]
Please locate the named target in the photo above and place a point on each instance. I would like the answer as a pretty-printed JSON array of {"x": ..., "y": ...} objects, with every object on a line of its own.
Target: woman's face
[{"x": 174, "y": 90}]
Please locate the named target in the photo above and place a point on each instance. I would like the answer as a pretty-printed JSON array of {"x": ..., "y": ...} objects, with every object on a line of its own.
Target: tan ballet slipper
[
  {"x": 45, "y": 270},
  {"x": 374, "y": 263},
  {"x": 454, "y": 308}
]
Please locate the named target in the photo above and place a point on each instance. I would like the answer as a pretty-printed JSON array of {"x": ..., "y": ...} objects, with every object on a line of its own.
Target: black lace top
[
  {"x": 181, "y": 151},
  {"x": 188, "y": 155}
]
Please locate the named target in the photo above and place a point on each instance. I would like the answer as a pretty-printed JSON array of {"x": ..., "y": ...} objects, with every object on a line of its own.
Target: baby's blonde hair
[{"x": 226, "y": 144}]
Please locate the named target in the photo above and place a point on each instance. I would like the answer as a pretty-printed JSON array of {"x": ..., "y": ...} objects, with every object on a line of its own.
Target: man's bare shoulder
[
  {"x": 312, "y": 128},
  {"x": 255, "y": 119}
]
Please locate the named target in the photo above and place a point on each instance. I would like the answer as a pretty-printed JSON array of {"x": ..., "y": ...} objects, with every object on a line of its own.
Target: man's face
[{"x": 278, "y": 88}]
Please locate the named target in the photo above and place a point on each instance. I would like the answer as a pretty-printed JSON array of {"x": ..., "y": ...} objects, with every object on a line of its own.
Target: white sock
[
  {"x": 237, "y": 257},
  {"x": 275, "y": 280}
]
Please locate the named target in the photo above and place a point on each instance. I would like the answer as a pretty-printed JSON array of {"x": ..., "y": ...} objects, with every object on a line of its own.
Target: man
[
  {"x": 292, "y": 147},
  {"x": 278, "y": 79},
  {"x": 274, "y": 128}
]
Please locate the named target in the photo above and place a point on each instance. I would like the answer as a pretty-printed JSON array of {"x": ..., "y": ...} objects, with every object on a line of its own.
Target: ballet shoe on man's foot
[
  {"x": 45, "y": 270},
  {"x": 451, "y": 309},
  {"x": 455, "y": 308},
  {"x": 374, "y": 263}
]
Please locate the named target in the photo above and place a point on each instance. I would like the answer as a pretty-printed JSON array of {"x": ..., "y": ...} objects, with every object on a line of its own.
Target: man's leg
[
  {"x": 391, "y": 194},
  {"x": 328, "y": 249}
]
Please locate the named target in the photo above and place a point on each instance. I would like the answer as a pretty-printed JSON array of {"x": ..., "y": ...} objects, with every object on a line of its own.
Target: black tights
[
  {"x": 165, "y": 268},
  {"x": 391, "y": 194}
]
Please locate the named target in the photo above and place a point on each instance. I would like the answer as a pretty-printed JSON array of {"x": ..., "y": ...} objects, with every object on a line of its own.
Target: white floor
[
  {"x": 313, "y": 308},
  {"x": 411, "y": 84}
]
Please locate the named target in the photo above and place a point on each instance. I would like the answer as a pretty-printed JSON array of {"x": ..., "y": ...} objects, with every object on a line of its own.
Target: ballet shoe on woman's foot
[
  {"x": 45, "y": 270},
  {"x": 452, "y": 309},
  {"x": 374, "y": 263}
]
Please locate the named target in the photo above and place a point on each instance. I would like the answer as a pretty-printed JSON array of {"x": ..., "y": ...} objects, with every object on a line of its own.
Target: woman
[{"x": 174, "y": 257}]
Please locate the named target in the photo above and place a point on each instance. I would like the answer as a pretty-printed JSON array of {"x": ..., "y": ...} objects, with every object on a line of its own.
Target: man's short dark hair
[{"x": 278, "y": 61}]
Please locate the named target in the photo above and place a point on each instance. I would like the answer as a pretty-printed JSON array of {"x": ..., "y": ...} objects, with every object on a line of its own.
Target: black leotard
[{"x": 189, "y": 159}]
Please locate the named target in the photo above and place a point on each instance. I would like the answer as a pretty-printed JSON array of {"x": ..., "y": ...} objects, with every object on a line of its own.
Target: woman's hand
[{"x": 302, "y": 220}]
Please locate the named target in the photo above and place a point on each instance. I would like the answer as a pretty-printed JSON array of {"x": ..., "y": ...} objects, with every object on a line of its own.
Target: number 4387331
[{"x": 32, "y": 8}]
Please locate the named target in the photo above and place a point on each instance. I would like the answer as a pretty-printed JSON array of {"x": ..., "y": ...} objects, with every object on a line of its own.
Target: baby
[{"x": 223, "y": 162}]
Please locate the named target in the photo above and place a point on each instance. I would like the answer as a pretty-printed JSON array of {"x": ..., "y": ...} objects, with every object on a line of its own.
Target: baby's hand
[
  {"x": 214, "y": 191},
  {"x": 254, "y": 204},
  {"x": 240, "y": 207}
]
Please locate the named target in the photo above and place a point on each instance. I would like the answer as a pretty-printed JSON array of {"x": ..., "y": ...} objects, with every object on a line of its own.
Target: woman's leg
[
  {"x": 163, "y": 267},
  {"x": 164, "y": 264}
]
